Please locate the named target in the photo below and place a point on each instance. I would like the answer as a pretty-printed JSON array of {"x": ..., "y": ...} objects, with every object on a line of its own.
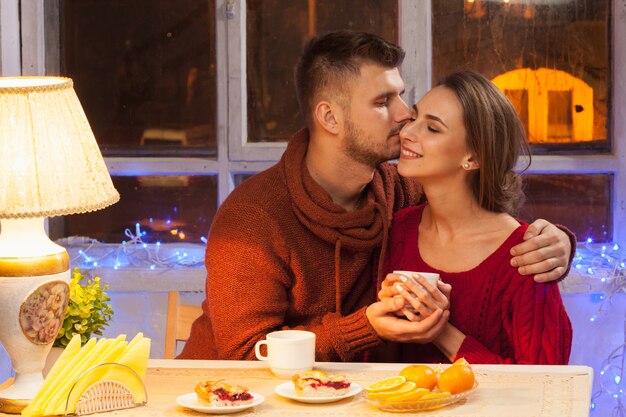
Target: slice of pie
[
  {"x": 319, "y": 384},
  {"x": 220, "y": 394}
]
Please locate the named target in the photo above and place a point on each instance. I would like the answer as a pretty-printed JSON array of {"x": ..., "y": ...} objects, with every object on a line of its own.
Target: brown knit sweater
[{"x": 282, "y": 255}]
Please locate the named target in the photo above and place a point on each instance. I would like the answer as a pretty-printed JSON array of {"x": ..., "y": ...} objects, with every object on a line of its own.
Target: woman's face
[{"x": 434, "y": 144}]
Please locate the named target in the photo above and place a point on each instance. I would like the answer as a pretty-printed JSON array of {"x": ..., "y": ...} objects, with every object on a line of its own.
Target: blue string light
[
  {"x": 133, "y": 252},
  {"x": 607, "y": 265}
]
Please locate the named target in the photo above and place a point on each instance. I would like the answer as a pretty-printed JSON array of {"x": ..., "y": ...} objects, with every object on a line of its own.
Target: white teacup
[
  {"x": 289, "y": 352},
  {"x": 431, "y": 277}
]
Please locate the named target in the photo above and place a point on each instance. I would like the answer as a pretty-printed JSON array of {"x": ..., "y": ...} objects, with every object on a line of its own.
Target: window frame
[{"x": 30, "y": 45}]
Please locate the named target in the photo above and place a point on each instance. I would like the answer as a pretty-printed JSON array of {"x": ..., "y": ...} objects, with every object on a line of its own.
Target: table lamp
[{"x": 50, "y": 165}]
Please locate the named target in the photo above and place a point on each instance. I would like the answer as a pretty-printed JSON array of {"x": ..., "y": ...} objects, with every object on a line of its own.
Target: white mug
[
  {"x": 431, "y": 277},
  {"x": 289, "y": 352}
]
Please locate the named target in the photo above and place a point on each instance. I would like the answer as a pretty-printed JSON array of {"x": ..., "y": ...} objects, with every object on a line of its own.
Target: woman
[{"x": 463, "y": 146}]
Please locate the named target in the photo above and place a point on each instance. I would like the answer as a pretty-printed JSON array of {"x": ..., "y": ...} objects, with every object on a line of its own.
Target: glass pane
[
  {"x": 582, "y": 203},
  {"x": 560, "y": 115},
  {"x": 549, "y": 57},
  {"x": 239, "y": 178},
  {"x": 277, "y": 30},
  {"x": 519, "y": 99},
  {"x": 144, "y": 71},
  {"x": 167, "y": 208}
]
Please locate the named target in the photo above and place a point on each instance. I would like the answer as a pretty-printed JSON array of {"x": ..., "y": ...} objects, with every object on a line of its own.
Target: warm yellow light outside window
[{"x": 538, "y": 84}]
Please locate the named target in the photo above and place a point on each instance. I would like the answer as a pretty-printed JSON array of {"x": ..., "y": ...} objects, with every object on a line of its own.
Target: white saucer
[
  {"x": 191, "y": 401},
  {"x": 287, "y": 390}
]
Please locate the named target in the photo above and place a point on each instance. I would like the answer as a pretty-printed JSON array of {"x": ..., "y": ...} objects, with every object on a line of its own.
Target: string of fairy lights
[
  {"x": 134, "y": 252},
  {"x": 606, "y": 263}
]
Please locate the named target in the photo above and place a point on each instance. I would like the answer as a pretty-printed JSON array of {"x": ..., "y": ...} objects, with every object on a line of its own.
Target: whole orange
[
  {"x": 422, "y": 375},
  {"x": 455, "y": 379}
]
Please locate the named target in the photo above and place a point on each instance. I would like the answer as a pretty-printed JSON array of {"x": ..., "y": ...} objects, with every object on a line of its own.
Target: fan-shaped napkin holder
[{"x": 105, "y": 395}]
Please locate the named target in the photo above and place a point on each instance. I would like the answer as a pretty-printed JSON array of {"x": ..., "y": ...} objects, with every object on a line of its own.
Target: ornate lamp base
[{"x": 34, "y": 293}]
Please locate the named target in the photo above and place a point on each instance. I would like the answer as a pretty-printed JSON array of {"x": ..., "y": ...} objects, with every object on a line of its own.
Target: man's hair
[
  {"x": 496, "y": 135},
  {"x": 329, "y": 61}
]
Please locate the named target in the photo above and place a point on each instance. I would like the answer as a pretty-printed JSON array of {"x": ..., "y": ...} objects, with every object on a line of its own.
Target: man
[{"x": 300, "y": 245}]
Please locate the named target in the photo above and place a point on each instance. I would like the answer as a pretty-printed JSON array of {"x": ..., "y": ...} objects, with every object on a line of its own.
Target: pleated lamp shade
[{"x": 50, "y": 163}]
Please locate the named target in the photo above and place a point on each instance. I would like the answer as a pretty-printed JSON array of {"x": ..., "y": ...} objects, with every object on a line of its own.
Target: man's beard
[{"x": 365, "y": 149}]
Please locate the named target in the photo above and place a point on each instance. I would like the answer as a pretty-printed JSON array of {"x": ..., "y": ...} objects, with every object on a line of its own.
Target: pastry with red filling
[
  {"x": 319, "y": 384},
  {"x": 220, "y": 394}
]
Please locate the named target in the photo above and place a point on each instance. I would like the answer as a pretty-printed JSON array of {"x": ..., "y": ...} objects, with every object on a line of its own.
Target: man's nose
[{"x": 405, "y": 113}]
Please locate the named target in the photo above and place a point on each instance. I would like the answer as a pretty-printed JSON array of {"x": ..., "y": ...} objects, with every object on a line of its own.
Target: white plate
[
  {"x": 191, "y": 401},
  {"x": 287, "y": 390}
]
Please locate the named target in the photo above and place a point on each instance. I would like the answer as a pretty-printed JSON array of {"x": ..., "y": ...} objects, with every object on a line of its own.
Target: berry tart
[
  {"x": 220, "y": 394},
  {"x": 319, "y": 384}
]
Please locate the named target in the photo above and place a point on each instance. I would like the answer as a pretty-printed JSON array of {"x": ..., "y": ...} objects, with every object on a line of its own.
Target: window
[
  {"x": 146, "y": 75},
  {"x": 552, "y": 54},
  {"x": 167, "y": 208},
  {"x": 233, "y": 60},
  {"x": 144, "y": 71},
  {"x": 579, "y": 201},
  {"x": 267, "y": 112}
]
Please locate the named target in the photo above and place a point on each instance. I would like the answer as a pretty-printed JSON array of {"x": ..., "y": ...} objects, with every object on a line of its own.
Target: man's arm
[{"x": 547, "y": 252}]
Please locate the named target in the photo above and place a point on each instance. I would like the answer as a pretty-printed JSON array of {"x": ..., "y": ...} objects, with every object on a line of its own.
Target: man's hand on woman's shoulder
[{"x": 545, "y": 253}]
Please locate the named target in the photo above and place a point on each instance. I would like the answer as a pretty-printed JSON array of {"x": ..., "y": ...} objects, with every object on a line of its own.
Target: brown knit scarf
[{"x": 362, "y": 229}]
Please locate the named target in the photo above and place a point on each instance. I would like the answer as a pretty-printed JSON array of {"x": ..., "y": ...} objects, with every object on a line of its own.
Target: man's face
[{"x": 374, "y": 116}]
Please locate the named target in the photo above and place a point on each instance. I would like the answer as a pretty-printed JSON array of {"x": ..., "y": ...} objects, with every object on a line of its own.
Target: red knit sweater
[
  {"x": 507, "y": 317},
  {"x": 281, "y": 254}
]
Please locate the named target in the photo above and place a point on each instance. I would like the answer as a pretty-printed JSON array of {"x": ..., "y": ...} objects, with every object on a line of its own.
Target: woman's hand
[
  {"x": 382, "y": 317},
  {"x": 421, "y": 297}
]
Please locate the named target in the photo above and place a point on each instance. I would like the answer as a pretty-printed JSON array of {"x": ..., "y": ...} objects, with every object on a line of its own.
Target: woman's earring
[{"x": 466, "y": 166}]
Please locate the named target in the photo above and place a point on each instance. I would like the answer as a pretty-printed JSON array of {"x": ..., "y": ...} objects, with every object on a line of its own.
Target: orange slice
[
  {"x": 386, "y": 384},
  {"x": 431, "y": 395},
  {"x": 414, "y": 395},
  {"x": 404, "y": 388}
]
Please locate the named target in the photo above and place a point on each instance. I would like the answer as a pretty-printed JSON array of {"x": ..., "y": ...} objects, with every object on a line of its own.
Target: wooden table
[{"x": 504, "y": 390}]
